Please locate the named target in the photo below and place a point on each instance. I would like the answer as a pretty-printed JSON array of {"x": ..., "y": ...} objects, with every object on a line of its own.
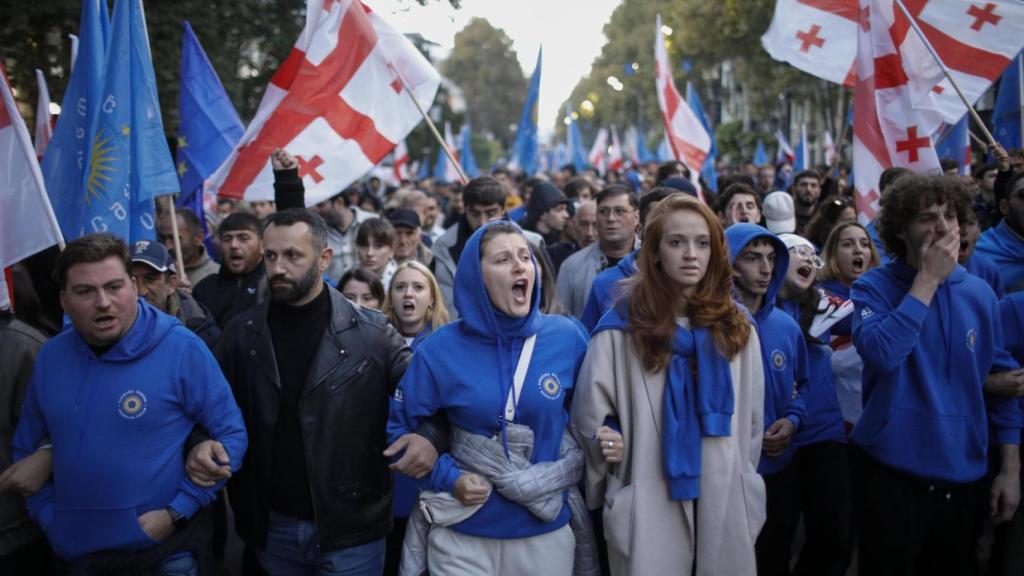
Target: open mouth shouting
[
  {"x": 858, "y": 264},
  {"x": 519, "y": 292}
]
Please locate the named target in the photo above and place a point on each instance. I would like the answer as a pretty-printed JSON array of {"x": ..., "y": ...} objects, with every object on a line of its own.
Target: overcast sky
[{"x": 570, "y": 31}]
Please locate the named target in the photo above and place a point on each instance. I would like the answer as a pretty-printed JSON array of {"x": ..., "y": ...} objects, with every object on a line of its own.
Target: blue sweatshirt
[
  {"x": 824, "y": 422},
  {"x": 118, "y": 424},
  {"x": 602, "y": 290},
  {"x": 782, "y": 345},
  {"x": 465, "y": 369},
  {"x": 924, "y": 367},
  {"x": 983, "y": 267},
  {"x": 1011, "y": 314},
  {"x": 1006, "y": 249}
]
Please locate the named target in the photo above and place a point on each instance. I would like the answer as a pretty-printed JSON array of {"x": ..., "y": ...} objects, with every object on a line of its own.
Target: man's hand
[
  {"x": 418, "y": 459},
  {"x": 613, "y": 447},
  {"x": 1002, "y": 158},
  {"x": 777, "y": 437},
  {"x": 281, "y": 160},
  {"x": 157, "y": 524},
  {"x": 26, "y": 476},
  {"x": 1009, "y": 383},
  {"x": 471, "y": 489},
  {"x": 208, "y": 463},
  {"x": 939, "y": 255},
  {"x": 1005, "y": 494}
]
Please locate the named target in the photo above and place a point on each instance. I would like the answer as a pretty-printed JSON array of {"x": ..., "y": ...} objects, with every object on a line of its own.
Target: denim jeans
[
  {"x": 179, "y": 565},
  {"x": 292, "y": 549}
]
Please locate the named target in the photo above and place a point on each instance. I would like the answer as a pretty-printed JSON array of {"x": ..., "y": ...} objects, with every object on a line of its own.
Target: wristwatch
[{"x": 177, "y": 519}]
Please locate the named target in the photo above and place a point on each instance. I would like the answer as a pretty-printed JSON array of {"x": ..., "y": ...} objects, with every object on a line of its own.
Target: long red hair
[{"x": 653, "y": 303}]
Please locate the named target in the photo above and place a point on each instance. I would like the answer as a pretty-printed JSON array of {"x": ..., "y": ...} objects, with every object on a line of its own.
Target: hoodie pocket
[
  {"x": 618, "y": 516},
  {"x": 75, "y": 533},
  {"x": 935, "y": 441},
  {"x": 755, "y": 501}
]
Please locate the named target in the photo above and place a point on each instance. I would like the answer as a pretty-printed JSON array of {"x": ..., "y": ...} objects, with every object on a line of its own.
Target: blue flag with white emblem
[
  {"x": 708, "y": 170},
  {"x": 65, "y": 163},
  {"x": 525, "y": 150},
  {"x": 129, "y": 161},
  {"x": 1006, "y": 116},
  {"x": 210, "y": 126}
]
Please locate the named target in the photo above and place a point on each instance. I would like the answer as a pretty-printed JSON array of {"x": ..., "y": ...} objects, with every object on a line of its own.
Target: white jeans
[{"x": 450, "y": 553}]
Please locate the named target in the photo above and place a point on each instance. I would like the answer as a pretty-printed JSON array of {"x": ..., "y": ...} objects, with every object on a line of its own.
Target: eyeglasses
[
  {"x": 618, "y": 211},
  {"x": 807, "y": 253}
]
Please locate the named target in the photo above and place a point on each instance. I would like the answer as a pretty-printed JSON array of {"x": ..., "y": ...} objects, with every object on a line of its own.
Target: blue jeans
[
  {"x": 179, "y": 565},
  {"x": 292, "y": 549}
]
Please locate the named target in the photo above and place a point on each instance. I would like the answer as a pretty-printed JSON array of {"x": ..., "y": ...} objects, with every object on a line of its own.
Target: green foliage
[{"x": 483, "y": 65}]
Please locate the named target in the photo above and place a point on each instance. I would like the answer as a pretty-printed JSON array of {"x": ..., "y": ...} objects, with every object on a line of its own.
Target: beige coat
[{"x": 647, "y": 533}]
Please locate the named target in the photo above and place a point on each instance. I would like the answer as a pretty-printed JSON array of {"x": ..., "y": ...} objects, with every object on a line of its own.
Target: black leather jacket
[{"x": 343, "y": 414}]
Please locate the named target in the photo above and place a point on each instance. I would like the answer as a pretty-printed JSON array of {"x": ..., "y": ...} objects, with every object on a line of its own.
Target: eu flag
[
  {"x": 1006, "y": 117},
  {"x": 707, "y": 171},
  {"x": 466, "y": 157},
  {"x": 210, "y": 126},
  {"x": 64, "y": 164},
  {"x": 954, "y": 142},
  {"x": 129, "y": 162},
  {"x": 525, "y": 150}
]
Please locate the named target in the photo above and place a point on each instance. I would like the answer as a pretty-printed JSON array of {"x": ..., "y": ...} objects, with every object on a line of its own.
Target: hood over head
[{"x": 742, "y": 233}]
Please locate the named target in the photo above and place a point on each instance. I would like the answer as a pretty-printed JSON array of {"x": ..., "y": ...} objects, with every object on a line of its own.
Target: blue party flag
[{"x": 525, "y": 150}]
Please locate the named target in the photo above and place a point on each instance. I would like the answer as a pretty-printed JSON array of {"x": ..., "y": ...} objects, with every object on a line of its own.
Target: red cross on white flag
[
  {"x": 687, "y": 138},
  {"x": 336, "y": 104},
  {"x": 400, "y": 163},
  {"x": 816, "y": 36},
  {"x": 887, "y": 129}
]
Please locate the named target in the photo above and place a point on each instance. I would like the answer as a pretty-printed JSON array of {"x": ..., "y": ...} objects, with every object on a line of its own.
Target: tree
[{"x": 484, "y": 65}]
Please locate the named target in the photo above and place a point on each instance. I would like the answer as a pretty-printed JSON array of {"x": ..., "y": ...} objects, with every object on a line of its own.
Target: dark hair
[
  {"x": 669, "y": 169},
  {"x": 549, "y": 302},
  {"x": 650, "y": 200},
  {"x": 614, "y": 191},
  {"x": 293, "y": 216},
  {"x": 1006, "y": 190},
  {"x": 366, "y": 276},
  {"x": 570, "y": 168},
  {"x": 980, "y": 172},
  {"x": 806, "y": 174},
  {"x": 724, "y": 182},
  {"x": 890, "y": 176},
  {"x": 88, "y": 249},
  {"x": 948, "y": 164},
  {"x": 238, "y": 221},
  {"x": 496, "y": 229},
  {"x": 367, "y": 197},
  {"x": 377, "y": 228},
  {"x": 191, "y": 220},
  {"x": 907, "y": 197},
  {"x": 734, "y": 189},
  {"x": 484, "y": 191},
  {"x": 574, "y": 185},
  {"x": 825, "y": 218}
]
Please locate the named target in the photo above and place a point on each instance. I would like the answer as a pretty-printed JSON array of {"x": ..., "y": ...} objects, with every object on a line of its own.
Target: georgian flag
[
  {"x": 887, "y": 129},
  {"x": 816, "y": 36},
  {"x": 598, "y": 157},
  {"x": 615, "y": 159},
  {"x": 400, "y": 163},
  {"x": 336, "y": 104}
]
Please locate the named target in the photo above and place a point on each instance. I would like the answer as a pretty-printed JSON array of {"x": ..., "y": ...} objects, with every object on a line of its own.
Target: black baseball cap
[{"x": 154, "y": 255}]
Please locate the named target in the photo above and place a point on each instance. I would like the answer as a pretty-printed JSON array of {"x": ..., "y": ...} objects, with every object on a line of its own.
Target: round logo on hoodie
[
  {"x": 550, "y": 386},
  {"x": 132, "y": 404},
  {"x": 972, "y": 337},
  {"x": 778, "y": 360}
]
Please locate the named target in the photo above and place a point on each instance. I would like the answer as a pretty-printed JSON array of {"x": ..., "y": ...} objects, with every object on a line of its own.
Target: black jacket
[
  {"x": 227, "y": 295},
  {"x": 343, "y": 414}
]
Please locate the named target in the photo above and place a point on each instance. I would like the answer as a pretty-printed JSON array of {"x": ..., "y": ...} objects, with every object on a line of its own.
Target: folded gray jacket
[{"x": 538, "y": 487}]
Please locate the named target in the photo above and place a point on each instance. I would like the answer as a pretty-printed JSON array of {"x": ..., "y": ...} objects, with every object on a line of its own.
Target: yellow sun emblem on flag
[{"x": 101, "y": 165}]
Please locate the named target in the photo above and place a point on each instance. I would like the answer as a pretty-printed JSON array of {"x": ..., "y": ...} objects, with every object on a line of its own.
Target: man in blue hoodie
[
  {"x": 760, "y": 261},
  {"x": 1004, "y": 244},
  {"x": 929, "y": 334},
  {"x": 117, "y": 396}
]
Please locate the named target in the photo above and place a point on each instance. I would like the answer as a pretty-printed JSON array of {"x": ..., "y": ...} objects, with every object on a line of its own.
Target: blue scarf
[{"x": 693, "y": 408}]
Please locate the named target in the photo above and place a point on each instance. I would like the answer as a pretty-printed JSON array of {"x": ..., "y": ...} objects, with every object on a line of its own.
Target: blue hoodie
[
  {"x": 118, "y": 424},
  {"x": 924, "y": 367},
  {"x": 1006, "y": 249},
  {"x": 466, "y": 370},
  {"x": 602, "y": 290},
  {"x": 824, "y": 421},
  {"x": 782, "y": 345},
  {"x": 404, "y": 490},
  {"x": 1011, "y": 310},
  {"x": 983, "y": 267}
]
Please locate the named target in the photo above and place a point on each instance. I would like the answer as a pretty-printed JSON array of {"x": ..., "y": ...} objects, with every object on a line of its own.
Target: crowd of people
[{"x": 628, "y": 373}]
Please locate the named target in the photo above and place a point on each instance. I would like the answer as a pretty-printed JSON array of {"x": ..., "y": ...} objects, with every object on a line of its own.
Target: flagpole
[
  {"x": 945, "y": 70},
  {"x": 179, "y": 262},
  {"x": 430, "y": 123}
]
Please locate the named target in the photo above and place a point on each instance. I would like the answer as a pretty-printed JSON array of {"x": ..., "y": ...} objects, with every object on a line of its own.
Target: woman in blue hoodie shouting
[
  {"x": 502, "y": 371},
  {"x": 676, "y": 367}
]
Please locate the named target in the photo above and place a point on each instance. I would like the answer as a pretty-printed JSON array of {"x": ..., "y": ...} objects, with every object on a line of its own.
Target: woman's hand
[
  {"x": 612, "y": 446},
  {"x": 471, "y": 489}
]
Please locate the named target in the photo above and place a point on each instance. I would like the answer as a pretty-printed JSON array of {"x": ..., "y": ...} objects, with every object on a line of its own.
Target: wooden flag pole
[
  {"x": 945, "y": 70},
  {"x": 179, "y": 262},
  {"x": 430, "y": 123}
]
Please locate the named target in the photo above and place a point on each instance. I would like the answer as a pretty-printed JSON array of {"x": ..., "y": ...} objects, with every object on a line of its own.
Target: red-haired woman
[{"x": 669, "y": 407}]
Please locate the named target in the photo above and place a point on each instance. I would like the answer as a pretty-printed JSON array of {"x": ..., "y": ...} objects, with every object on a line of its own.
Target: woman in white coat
[{"x": 669, "y": 408}]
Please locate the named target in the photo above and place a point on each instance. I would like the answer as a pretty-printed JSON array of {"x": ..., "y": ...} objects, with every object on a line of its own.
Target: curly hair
[
  {"x": 653, "y": 303},
  {"x": 910, "y": 194}
]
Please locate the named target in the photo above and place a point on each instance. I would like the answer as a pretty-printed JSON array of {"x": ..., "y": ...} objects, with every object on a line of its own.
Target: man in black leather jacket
[{"x": 312, "y": 374}]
